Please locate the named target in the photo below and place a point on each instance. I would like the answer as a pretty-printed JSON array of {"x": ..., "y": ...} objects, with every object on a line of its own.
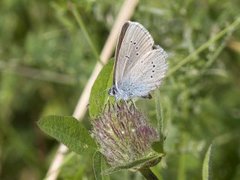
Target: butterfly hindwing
[{"x": 147, "y": 74}]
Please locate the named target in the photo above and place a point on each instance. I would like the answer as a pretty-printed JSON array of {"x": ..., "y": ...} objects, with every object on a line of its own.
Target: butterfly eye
[{"x": 112, "y": 91}]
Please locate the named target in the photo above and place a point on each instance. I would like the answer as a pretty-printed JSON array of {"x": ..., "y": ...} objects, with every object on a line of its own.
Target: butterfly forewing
[{"x": 134, "y": 42}]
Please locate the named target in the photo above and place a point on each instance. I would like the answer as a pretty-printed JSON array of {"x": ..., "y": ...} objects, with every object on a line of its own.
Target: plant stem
[
  {"x": 84, "y": 30},
  {"x": 159, "y": 112},
  {"x": 148, "y": 174}
]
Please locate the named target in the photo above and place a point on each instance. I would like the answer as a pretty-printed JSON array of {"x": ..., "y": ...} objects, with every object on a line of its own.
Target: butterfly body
[{"x": 139, "y": 66}]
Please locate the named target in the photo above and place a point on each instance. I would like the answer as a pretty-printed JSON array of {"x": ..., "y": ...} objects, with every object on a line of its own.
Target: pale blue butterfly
[{"x": 140, "y": 66}]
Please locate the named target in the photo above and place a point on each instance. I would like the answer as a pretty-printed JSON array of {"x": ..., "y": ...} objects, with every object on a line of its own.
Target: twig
[{"x": 125, "y": 13}]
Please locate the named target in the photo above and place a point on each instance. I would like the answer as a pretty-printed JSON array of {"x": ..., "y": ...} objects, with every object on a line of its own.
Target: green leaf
[
  {"x": 68, "y": 131},
  {"x": 206, "y": 164},
  {"x": 140, "y": 163},
  {"x": 99, "y": 92}
]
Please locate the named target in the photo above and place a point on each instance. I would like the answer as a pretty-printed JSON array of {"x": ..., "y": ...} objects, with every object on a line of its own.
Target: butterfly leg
[{"x": 132, "y": 105}]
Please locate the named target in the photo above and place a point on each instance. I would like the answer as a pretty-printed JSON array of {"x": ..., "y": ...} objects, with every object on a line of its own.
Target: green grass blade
[{"x": 206, "y": 164}]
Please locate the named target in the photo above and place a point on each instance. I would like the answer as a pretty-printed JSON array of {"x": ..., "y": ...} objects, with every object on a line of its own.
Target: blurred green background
[{"x": 45, "y": 61}]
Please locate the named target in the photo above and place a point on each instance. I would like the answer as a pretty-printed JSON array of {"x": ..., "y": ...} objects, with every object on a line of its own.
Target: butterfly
[{"x": 139, "y": 66}]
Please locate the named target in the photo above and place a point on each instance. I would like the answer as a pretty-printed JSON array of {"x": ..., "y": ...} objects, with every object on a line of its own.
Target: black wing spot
[
  {"x": 134, "y": 43},
  {"x": 151, "y": 76},
  {"x": 136, "y": 47},
  {"x": 152, "y": 62},
  {"x": 152, "y": 70},
  {"x": 137, "y": 54},
  {"x": 153, "y": 65},
  {"x": 131, "y": 41}
]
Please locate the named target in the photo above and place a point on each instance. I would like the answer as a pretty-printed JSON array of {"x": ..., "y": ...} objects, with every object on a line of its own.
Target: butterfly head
[
  {"x": 117, "y": 93},
  {"x": 112, "y": 91}
]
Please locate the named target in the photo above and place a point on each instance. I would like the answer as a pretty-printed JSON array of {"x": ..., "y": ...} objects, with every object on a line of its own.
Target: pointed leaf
[
  {"x": 206, "y": 164},
  {"x": 140, "y": 163},
  {"x": 68, "y": 131},
  {"x": 99, "y": 92}
]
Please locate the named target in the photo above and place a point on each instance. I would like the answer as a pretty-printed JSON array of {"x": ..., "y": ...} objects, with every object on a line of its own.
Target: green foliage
[
  {"x": 68, "y": 131},
  {"x": 99, "y": 92}
]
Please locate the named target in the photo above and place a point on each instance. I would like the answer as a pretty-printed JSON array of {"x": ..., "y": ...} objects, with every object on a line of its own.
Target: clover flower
[{"x": 123, "y": 134}]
